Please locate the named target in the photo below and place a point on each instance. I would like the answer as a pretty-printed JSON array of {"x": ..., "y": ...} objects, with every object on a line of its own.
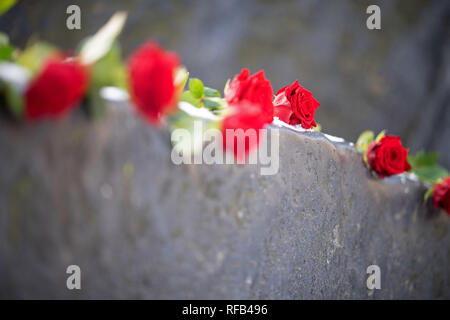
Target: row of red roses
[
  {"x": 155, "y": 92},
  {"x": 151, "y": 71},
  {"x": 63, "y": 82}
]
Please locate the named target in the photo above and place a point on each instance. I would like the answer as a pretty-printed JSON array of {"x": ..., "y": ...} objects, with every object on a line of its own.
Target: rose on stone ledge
[
  {"x": 441, "y": 195},
  {"x": 255, "y": 89},
  {"x": 384, "y": 154},
  {"x": 387, "y": 156},
  {"x": 151, "y": 71},
  {"x": 295, "y": 105},
  {"x": 245, "y": 109},
  {"x": 56, "y": 89}
]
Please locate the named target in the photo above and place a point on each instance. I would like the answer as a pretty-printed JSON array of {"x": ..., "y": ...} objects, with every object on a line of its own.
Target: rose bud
[
  {"x": 387, "y": 156},
  {"x": 56, "y": 89},
  {"x": 295, "y": 105},
  {"x": 441, "y": 195},
  {"x": 255, "y": 89},
  {"x": 245, "y": 116},
  {"x": 151, "y": 72}
]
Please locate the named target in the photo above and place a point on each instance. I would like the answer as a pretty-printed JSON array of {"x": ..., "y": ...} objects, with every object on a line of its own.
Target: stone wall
[{"x": 105, "y": 196}]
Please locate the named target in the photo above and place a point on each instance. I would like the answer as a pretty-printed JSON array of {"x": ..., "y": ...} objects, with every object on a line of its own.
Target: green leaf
[
  {"x": 212, "y": 93},
  {"x": 364, "y": 140},
  {"x": 96, "y": 105},
  {"x": 317, "y": 128},
  {"x": 5, "y": 5},
  {"x": 187, "y": 96},
  {"x": 428, "y": 194},
  {"x": 6, "y": 52},
  {"x": 431, "y": 174},
  {"x": 109, "y": 70},
  {"x": 210, "y": 104},
  {"x": 380, "y": 136},
  {"x": 196, "y": 87},
  {"x": 423, "y": 159},
  {"x": 226, "y": 86},
  {"x": 34, "y": 56},
  {"x": 14, "y": 101}
]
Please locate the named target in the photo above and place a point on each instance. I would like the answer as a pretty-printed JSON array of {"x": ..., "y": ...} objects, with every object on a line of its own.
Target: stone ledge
[{"x": 106, "y": 196}]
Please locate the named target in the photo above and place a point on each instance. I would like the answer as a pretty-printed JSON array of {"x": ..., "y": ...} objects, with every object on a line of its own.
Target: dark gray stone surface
[
  {"x": 396, "y": 78},
  {"x": 106, "y": 196}
]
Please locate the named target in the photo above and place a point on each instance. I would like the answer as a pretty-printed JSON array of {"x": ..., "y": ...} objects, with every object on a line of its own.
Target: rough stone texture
[
  {"x": 106, "y": 196},
  {"x": 396, "y": 78}
]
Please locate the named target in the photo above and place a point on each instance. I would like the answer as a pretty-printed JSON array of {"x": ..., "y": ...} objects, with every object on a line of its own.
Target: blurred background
[{"x": 396, "y": 78}]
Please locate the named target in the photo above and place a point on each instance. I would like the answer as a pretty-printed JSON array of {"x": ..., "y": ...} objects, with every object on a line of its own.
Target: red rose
[
  {"x": 294, "y": 104},
  {"x": 388, "y": 157},
  {"x": 441, "y": 195},
  {"x": 246, "y": 116},
  {"x": 255, "y": 89},
  {"x": 151, "y": 72},
  {"x": 56, "y": 90}
]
